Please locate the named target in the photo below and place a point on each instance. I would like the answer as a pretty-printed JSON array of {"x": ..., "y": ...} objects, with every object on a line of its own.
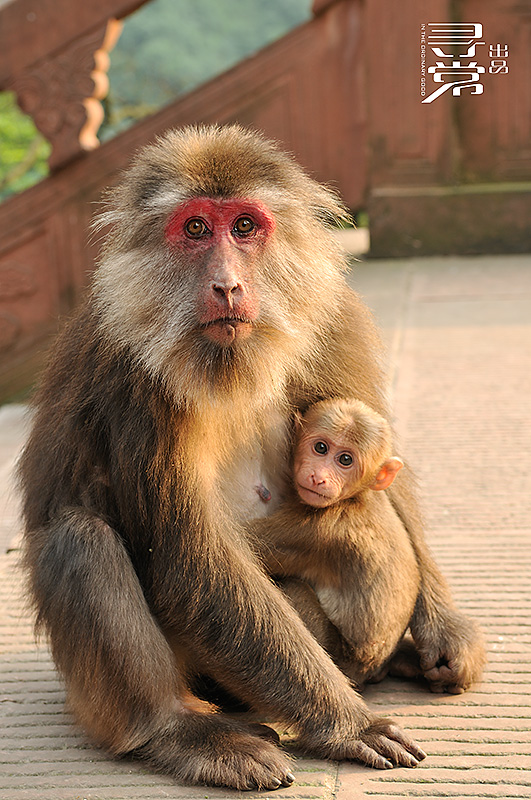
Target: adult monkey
[{"x": 218, "y": 306}]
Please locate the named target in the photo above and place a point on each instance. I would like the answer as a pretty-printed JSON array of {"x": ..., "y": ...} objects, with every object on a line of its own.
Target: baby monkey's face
[{"x": 325, "y": 471}]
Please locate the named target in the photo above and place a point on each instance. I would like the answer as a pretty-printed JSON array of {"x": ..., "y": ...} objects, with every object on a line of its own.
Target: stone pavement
[{"x": 459, "y": 338}]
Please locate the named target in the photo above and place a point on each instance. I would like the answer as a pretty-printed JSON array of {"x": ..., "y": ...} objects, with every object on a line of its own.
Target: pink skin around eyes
[
  {"x": 230, "y": 235},
  {"x": 319, "y": 479},
  {"x": 219, "y": 216}
]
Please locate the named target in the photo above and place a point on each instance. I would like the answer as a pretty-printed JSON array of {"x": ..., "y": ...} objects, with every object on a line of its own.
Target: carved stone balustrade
[{"x": 54, "y": 56}]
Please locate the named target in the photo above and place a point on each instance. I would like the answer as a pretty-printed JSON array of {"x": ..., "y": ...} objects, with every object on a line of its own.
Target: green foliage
[
  {"x": 23, "y": 151},
  {"x": 169, "y": 47}
]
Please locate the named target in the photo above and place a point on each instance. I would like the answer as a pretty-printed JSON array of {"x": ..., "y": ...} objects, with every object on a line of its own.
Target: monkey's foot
[
  {"x": 405, "y": 663},
  {"x": 213, "y": 750},
  {"x": 263, "y": 731}
]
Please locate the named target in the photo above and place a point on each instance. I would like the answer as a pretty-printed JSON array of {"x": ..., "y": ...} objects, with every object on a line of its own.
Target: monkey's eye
[
  {"x": 345, "y": 459},
  {"x": 243, "y": 226},
  {"x": 195, "y": 228},
  {"x": 321, "y": 448}
]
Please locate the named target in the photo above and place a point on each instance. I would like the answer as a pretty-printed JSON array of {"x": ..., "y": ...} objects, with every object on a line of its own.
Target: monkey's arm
[
  {"x": 286, "y": 544},
  {"x": 450, "y": 644}
]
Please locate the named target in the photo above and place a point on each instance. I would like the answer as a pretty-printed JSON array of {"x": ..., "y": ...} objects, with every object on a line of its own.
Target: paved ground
[{"x": 459, "y": 336}]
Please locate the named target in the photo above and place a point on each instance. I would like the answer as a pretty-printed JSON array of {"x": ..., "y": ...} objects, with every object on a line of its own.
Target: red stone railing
[{"x": 340, "y": 92}]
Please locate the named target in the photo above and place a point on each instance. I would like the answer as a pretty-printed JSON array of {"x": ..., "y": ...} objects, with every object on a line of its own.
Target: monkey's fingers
[
  {"x": 366, "y": 755},
  {"x": 452, "y": 656},
  {"x": 446, "y": 677},
  {"x": 431, "y": 660},
  {"x": 455, "y": 689},
  {"x": 390, "y": 741},
  {"x": 397, "y": 735}
]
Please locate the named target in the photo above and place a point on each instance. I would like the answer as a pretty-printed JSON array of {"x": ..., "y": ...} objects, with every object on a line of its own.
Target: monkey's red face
[
  {"x": 221, "y": 240},
  {"x": 325, "y": 471}
]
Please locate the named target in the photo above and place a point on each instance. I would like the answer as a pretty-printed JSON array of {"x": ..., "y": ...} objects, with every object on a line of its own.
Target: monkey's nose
[{"x": 227, "y": 290}]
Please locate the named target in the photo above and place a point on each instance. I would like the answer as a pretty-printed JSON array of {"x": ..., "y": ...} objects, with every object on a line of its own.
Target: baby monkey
[{"x": 338, "y": 535}]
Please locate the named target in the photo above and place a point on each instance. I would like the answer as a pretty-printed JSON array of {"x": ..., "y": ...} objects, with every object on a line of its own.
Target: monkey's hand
[
  {"x": 383, "y": 745},
  {"x": 452, "y": 652}
]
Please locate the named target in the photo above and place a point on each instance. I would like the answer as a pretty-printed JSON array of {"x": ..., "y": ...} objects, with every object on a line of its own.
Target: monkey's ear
[{"x": 387, "y": 473}]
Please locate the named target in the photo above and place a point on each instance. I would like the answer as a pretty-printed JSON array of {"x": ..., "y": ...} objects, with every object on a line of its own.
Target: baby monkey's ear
[{"x": 387, "y": 473}]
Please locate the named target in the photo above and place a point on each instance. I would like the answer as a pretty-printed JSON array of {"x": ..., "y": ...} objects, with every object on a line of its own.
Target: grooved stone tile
[{"x": 459, "y": 348}]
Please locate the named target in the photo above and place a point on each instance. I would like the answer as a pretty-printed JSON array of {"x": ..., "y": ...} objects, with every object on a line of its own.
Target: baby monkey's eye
[
  {"x": 345, "y": 459},
  {"x": 243, "y": 226},
  {"x": 321, "y": 448},
  {"x": 195, "y": 227}
]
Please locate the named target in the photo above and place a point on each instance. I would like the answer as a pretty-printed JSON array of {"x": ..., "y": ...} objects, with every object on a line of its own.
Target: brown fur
[
  {"x": 355, "y": 553},
  {"x": 139, "y": 565}
]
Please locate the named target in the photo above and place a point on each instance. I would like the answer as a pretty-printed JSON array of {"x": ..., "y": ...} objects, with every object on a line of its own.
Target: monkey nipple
[{"x": 263, "y": 492}]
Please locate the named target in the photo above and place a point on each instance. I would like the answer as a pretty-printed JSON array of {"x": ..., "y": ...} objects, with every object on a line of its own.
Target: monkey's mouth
[
  {"x": 313, "y": 498},
  {"x": 227, "y": 330}
]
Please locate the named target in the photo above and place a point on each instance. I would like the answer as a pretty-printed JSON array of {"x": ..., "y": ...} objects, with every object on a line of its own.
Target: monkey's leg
[
  {"x": 362, "y": 664},
  {"x": 120, "y": 673},
  {"x": 304, "y": 600},
  {"x": 450, "y": 644}
]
